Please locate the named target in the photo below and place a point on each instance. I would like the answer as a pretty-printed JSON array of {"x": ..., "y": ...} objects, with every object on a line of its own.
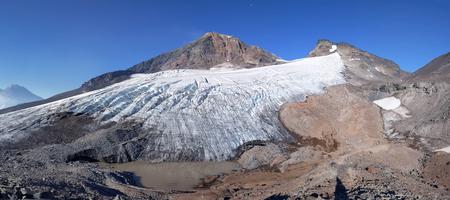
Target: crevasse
[{"x": 210, "y": 111}]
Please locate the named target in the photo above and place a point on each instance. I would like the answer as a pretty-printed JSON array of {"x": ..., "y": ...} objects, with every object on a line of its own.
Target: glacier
[{"x": 211, "y": 112}]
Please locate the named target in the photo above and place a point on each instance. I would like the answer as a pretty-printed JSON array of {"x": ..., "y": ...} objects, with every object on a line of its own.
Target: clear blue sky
[{"x": 53, "y": 46}]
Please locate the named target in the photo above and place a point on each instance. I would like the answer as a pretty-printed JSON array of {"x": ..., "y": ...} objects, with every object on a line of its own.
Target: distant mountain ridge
[
  {"x": 436, "y": 70},
  {"x": 16, "y": 94}
]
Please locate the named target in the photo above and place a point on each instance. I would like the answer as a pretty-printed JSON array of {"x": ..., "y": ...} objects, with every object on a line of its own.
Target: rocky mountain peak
[
  {"x": 15, "y": 87},
  {"x": 215, "y": 35},
  {"x": 323, "y": 47},
  {"x": 209, "y": 51},
  {"x": 361, "y": 66}
]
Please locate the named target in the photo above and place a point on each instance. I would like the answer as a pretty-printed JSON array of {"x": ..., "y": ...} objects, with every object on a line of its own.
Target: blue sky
[{"x": 53, "y": 46}]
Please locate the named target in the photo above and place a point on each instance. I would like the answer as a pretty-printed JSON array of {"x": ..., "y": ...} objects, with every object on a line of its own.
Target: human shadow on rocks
[
  {"x": 340, "y": 192},
  {"x": 278, "y": 197}
]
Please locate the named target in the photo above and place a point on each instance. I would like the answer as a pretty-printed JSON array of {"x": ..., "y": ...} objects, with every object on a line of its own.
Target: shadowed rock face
[
  {"x": 437, "y": 70},
  {"x": 211, "y": 50},
  {"x": 361, "y": 67}
]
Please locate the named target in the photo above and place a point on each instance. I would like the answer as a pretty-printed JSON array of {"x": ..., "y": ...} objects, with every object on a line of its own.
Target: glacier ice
[{"x": 208, "y": 111}]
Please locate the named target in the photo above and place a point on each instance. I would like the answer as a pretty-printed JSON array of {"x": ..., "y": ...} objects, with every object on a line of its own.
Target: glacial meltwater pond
[{"x": 173, "y": 175}]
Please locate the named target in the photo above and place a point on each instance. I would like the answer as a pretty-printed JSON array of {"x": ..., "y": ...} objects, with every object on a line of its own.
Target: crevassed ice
[{"x": 213, "y": 110}]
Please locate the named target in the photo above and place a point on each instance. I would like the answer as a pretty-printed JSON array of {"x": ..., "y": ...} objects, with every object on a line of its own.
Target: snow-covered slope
[
  {"x": 16, "y": 94},
  {"x": 208, "y": 111}
]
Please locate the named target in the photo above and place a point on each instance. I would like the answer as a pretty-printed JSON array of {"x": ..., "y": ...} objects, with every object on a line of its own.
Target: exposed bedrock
[
  {"x": 341, "y": 124},
  {"x": 422, "y": 120},
  {"x": 362, "y": 67},
  {"x": 429, "y": 104},
  {"x": 341, "y": 144},
  {"x": 337, "y": 119}
]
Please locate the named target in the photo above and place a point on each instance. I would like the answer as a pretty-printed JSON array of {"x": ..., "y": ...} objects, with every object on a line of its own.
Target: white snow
[
  {"x": 333, "y": 48},
  {"x": 225, "y": 65},
  {"x": 446, "y": 150},
  {"x": 281, "y": 60},
  {"x": 389, "y": 103},
  {"x": 212, "y": 112}
]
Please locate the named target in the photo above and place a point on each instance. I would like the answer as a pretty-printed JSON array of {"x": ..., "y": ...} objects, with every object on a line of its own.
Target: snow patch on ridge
[
  {"x": 446, "y": 150},
  {"x": 211, "y": 112},
  {"x": 389, "y": 103},
  {"x": 333, "y": 48}
]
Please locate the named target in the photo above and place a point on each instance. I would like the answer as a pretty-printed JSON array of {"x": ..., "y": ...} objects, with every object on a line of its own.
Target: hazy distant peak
[
  {"x": 15, "y": 87},
  {"x": 16, "y": 94}
]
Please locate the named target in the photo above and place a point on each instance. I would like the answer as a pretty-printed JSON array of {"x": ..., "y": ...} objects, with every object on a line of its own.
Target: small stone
[
  {"x": 23, "y": 191},
  {"x": 118, "y": 197}
]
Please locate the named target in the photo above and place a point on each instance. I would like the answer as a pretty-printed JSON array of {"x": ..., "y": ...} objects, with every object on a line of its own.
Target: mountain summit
[
  {"x": 16, "y": 94},
  {"x": 210, "y": 50},
  {"x": 361, "y": 66}
]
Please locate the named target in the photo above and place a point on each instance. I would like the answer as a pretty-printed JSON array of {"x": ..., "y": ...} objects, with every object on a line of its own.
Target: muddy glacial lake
[{"x": 170, "y": 176}]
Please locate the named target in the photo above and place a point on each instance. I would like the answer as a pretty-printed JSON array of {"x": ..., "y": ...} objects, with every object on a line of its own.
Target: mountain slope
[
  {"x": 361, "y": 67},
  {"x": 436, "y": 70},
  {"x": 426, "y": 95},
  {"x": 210, "y": 50},
  {"x": 176, "y": 114},
  {"x": 16, "y": 94}
]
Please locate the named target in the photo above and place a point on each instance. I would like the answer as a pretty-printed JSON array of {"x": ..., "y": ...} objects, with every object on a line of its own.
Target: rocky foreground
[
  {"x": 341, "y": 151},
  {"x": 379, "y": 135}
]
